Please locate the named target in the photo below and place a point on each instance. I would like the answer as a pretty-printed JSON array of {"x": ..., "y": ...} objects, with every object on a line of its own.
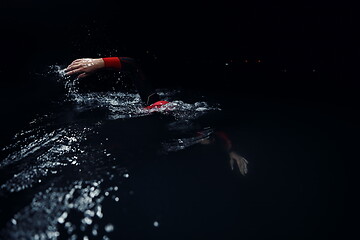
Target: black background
[{"x": 305, "y": 53}]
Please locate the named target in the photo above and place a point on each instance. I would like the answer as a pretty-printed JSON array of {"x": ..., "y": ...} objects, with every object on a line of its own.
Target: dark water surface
[{"x": 95, "y": 165}]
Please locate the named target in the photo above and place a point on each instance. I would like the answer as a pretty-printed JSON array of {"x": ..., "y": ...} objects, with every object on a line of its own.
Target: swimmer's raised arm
[{"x": 86, "y": 66}]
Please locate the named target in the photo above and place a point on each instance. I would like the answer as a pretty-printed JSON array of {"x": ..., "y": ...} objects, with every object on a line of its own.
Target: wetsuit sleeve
[
  {"x": 225, "y": 140},
  {"x": 112, "y": 63},
  {"x": 147, "y": 92}
]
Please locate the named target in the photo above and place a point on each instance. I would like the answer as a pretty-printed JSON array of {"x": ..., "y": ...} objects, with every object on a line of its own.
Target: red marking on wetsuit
[
  {"x": 157, "y": 104},
  {"x": 226, "y": 141},
  {"x": 112, "y": 62}
]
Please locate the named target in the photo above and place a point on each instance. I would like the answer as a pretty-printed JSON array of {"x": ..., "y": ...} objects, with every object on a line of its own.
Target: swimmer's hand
[
  {"x": 84, "y": 67},
  {"x": 240, "y": 161}
]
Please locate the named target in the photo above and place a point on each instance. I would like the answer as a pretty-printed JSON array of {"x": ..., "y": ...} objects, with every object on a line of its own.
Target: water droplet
[
  {"x": 13, "y": 221},
  {"x": 109, "y": 228},
  {"x": 98, "y": 212},
  {"x": 89, "y": 213},
  {"x": 62, "y": 218},
  {"x": 87, "y": 220}
]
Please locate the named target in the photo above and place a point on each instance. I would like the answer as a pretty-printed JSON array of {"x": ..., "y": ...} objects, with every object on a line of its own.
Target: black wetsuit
[{"x": 146, "y": 91}]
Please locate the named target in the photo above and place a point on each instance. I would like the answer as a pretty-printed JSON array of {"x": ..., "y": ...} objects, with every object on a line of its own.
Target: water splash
[
  {"x": 56, "y": 208},
  {"x": 129, "y": 105},
  {"x": 178, "y": 144},
  {"x": 45, "y": 153},
  {"x": 126, "y": 105},
  {"x": 54, "y": 159}
]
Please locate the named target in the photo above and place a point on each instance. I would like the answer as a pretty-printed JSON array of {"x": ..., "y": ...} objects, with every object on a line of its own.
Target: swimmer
[{"x": 84, "y": 67}]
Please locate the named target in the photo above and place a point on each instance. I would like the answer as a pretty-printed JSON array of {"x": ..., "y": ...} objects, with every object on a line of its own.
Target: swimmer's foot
[{"x": 157, "y": 104}]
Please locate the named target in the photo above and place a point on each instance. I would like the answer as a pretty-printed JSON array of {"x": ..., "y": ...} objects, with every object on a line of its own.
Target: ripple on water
[{"x": 55, "y": 153}]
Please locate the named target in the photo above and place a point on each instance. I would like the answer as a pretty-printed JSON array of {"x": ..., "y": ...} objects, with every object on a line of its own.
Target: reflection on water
[{"x": 69, "y": 163}]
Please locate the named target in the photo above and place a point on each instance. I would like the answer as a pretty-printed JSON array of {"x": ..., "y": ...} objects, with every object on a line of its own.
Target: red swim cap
[{"x": 157, "y": 104}]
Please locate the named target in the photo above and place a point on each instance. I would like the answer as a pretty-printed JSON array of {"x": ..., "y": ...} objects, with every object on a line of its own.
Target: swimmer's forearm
[{"x": 225, "y": 140}]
